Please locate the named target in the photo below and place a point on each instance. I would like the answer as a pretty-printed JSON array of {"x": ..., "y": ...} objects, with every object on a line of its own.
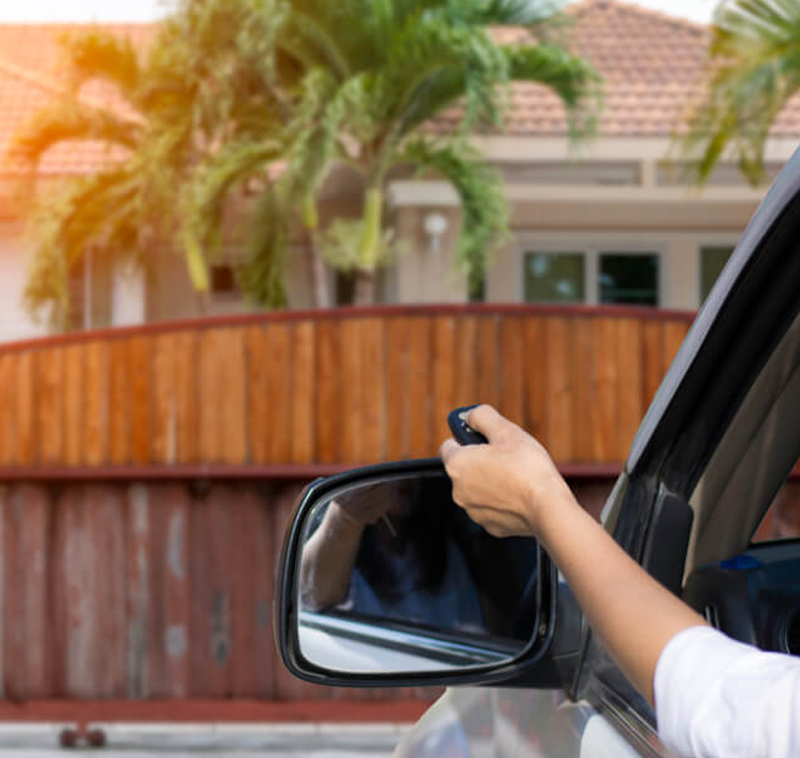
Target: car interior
[{"x": 743, "y": 563}]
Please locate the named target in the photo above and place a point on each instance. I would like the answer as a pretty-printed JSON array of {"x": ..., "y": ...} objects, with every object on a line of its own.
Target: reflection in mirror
[{"x": 394, "y": 577}]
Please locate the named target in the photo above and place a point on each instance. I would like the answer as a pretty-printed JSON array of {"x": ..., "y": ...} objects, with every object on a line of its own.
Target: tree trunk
[
  {"x": 365, "y": 287},
  {"x": 319, "y": 279},
  {"x": 319, "y": 276}
]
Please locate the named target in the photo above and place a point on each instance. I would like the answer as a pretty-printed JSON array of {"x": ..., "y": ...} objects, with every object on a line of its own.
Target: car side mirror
[{"x": 384, "y": 580}]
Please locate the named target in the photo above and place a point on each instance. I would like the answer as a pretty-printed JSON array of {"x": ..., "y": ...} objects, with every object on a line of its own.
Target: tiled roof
[
  {"x": 31, "y": 76},
  {"x": 650, "y": 63}
]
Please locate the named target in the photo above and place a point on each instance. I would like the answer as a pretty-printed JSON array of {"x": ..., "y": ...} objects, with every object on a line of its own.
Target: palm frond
[
  {"x": 753, "y": 71},
  {"x": 263, "y": 273},
  {"x": 99, "y": 54},
  {"x": 483, "y": 203},
  {"x": 67, "y": 119}
]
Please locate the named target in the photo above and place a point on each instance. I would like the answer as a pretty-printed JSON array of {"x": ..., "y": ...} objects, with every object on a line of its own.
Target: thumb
[{"x": 487, "y": 421}]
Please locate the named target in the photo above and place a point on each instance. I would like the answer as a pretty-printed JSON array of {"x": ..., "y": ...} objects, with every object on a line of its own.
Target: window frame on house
[{"x": 592, "y": 252}]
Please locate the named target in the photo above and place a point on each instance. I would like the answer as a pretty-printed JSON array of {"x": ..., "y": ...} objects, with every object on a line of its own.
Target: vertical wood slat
[
  {"x": 327, "y": 408},
  {"x": 164, "y": 399},
  {"x": 373, "y": 387},
  {"x": 26, "y": 398},
  {"x": 584, "y": 389},
  {"x": 511, "y": 369},
  {"x": 304, "y": 378},
  {"x": 280, "y": 383},
  {"x": 486, "y": 365},
  {"x": 606, "y": 427},
  {"x": 8, "y": 391},
  {"x": 139, "y": 384},
  {"x": 558, "y": 432},
  {"x": 444, "y": 375},
  {"x": 119, "y": 420},
  {"x": 74, "y": 356},
  {"x": 351, "y": 367},
  {"x": 50, "y": 407},
  {"x": 397, "y": 410},
  {"x": 95, "y": 404},
  {"x": 420, "y": 430},
  {"x": 259, "y": 410},
  {"x": 535, "y": 368},
  {"x": 630, "y": 382}
]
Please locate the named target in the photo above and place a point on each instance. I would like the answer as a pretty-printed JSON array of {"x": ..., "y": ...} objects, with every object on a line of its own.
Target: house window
[
  {"x": 712, "y": 261},
  {"x": 223, "y": 280},
  {"x": 555, "y": 277},
  {"x": 592, "y": 276},
  {"x": 628, "y": 279}
]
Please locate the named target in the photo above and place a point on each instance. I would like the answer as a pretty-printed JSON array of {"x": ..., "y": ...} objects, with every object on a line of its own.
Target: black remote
[{"x": 463, "y": 432}]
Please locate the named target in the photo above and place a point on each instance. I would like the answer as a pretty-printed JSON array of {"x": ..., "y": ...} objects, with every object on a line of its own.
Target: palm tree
[
  {"x": 754, "y": 69},
  {"x": 121, "y": 210},
  {"x": 366, "y": 78}
]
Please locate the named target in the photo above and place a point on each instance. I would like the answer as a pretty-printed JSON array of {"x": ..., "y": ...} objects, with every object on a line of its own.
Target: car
[{"x": 384, "y": 581}]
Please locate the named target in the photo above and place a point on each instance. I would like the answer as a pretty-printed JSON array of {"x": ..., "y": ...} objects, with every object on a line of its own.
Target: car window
[{"x": 782, "y": 520}]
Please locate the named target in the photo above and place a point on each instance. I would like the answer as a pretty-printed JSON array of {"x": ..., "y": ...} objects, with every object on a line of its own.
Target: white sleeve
[{"x": 719, "y": 698}]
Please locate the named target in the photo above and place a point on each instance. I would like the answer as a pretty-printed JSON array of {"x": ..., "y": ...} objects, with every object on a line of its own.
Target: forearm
[
  {"x": 615, "y": 593},
  {"x": 328, "y": 559}
]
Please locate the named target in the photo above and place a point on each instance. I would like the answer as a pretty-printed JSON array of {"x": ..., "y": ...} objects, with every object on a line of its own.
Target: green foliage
[
  {"x": 753, "y": 71},
  {"x": 258, "y": 101},
  {"x": 483, "y": 202}
]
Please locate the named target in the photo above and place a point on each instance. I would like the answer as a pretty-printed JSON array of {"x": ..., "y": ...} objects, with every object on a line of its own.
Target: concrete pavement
[{"x": 190, "y": 740}]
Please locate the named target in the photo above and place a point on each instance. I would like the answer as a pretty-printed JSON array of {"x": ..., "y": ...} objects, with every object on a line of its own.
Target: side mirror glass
[{"x": 386, "y": 575}]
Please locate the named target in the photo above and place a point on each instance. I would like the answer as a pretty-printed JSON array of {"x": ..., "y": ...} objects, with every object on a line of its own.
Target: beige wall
[{"x": 15, "y": 323}]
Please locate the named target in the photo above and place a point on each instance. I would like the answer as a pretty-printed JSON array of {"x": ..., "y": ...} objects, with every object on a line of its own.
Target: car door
[{"x": 720, "y": 437}]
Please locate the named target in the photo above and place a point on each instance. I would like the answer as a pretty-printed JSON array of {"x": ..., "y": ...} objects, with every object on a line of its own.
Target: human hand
[
  {"x": 365, "y": 505},
  {"x": 505, "y": 485}
]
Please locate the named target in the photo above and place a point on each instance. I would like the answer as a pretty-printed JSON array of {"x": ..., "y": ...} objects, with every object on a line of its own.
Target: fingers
[
  {"x": 487, "y": 421},
  {"x": 448, "y": 449}
]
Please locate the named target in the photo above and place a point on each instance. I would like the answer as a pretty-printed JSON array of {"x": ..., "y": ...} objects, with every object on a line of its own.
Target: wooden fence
[
  {"x": 146, "y": 475},
  {"x": 345, "y": 387}
]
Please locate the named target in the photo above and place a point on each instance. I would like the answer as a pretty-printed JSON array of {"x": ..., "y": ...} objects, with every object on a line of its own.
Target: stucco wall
[{"x": 15, "y": 323}]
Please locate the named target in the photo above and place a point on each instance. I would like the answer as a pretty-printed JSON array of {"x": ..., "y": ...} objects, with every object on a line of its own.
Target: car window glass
[{"x": 782, "y": 520}]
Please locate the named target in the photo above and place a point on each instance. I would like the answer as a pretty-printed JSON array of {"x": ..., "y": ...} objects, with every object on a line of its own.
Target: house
[{"x": 603, "y": 222}]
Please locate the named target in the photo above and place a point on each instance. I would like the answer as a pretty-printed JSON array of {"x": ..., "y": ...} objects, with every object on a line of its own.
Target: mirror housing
[{"x": 546, "y": 658}]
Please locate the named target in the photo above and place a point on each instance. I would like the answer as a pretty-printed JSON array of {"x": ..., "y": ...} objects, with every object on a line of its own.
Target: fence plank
[
  {"x": 373, "y": 387},
  {"x": 535, "y": 367},
  {"x": 95, "y": 404},
  {"x": 137, "y": 595},
  {"x": 259, "y": 407},
  {"x": 486, "y": 365},
  {"x": 584, "y": 385},
  {"x": 14, "y": 593},
  {"x": 466, "y": 379},
  {"x": 674, "y": 334},
  {"x": 397, "y": 411},
  {"x": 558, "y": 436},
  {"x": 177, "y": 600},
  {"x": 50, "y": 410},
  {"x": 187, "y": 384},
  {"x": 107, "y": 540},
  {"x": 233, "y": 399},
  {"x": 26, "y": 399},
  {"x": 420, "y": 430},
  {"x": 444, "y": 375},
  {"x": 73, "y": 404},
  {"x": 8, "y": 391},
  {"x": 351, "y": 403},
  {"x": 304, "y": 379},
  {"x": 81, "y": 640},
  {"x": 165, "y": 397},
  {"x": 606, "y": 426},
  {"x": 652, "y": 358},
  {"x": 139, "y": 381},
  {"x": 119, "y": 421},
  {"x": 212, "y": 407},
  {"x": 511, "y": 369},
  {"x": 280, "y": 383},
  {"x": 328, "y": 411},
  {"x": 630, "y": 382}
]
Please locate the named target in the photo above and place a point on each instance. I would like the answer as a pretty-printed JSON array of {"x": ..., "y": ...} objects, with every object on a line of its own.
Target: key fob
[{"x": 463, "y": 433}]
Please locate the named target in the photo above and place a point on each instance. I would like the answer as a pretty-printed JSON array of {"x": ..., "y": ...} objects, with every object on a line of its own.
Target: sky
[{"x": 146, "y": 10}]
